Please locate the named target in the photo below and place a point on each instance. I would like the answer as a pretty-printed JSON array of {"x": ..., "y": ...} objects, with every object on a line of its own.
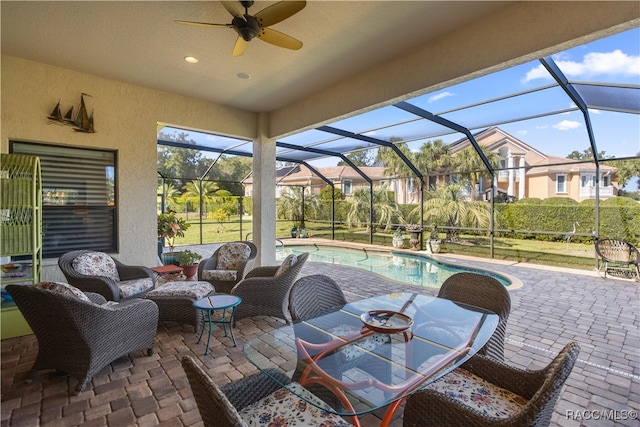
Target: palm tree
[
  {"x": 395, "y": 167},
  {"x": 170, "y": 193},
  {"x": 468, "y": 162},
  {"x": 433, "y": 156},
  {"x": 385, "y": 209},
  {"x": 194, "y": 192},
  {"x": 447, "y": 206},
  {"x": 289, "y": 206}
]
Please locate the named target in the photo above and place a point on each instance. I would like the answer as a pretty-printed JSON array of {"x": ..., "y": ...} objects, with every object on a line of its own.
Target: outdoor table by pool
[
  {"x": 411, "y": 341},
  {"x": 208, "y": 306}
]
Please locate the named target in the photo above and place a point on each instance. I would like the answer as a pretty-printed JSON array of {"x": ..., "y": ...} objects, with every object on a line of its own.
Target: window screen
[{"x": 78, "y": 197}]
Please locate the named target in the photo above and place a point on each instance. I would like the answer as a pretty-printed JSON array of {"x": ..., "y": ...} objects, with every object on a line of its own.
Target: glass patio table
[{"x": 373, "y": 353}]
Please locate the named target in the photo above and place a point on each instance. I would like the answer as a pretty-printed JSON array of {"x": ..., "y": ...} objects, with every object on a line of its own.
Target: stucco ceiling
[{"x": 138, "y": 42}]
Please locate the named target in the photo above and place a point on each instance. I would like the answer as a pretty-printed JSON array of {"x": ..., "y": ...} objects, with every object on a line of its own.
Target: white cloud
[
  {"x": 542, "y": 127},
  {"x": 439, "y": 96},
  {"x": 567, "y": 125},
  {"x": 523, "y": 132},
  {"x": 594, "y": 111},
  {"x": 593, "y": 64}
]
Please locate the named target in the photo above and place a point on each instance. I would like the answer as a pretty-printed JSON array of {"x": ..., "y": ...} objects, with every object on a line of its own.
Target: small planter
[
  {"x": 190, "y": 270},
  {"x": 434, "y": 245},
  {"x": 294, "y": 233},
  {"x": 169, "y": 258},
  {"x": 414, "y": 239},
  {"x": 398, "y": 241}
]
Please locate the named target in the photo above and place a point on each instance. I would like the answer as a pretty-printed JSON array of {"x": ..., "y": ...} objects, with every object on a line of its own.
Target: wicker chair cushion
[
  {"x": 283, "y": 408},
  {"x": 363, "y": 346},
  {"x": 96, "y": 264},
  {"x": 64, "y": 289},
  {"x": 231, "y": 255},
  {"x": 134, "y": 286},
  {"x": 288, "y": 262},
  {"x": 478, "y": 394},
  {"x": 195, "y": 290},
  {"x": 220, "y": 275}
]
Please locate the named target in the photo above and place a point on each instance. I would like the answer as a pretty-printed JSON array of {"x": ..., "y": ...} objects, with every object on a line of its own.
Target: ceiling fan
[{"x": 250, "y": 26}]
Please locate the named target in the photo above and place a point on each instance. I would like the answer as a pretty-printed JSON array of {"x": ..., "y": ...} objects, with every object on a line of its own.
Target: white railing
[{"x": 591, "y": 192}]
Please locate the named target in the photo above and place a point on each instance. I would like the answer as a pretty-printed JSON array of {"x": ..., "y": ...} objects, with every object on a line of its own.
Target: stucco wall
[{"x": 126, "y": 117}]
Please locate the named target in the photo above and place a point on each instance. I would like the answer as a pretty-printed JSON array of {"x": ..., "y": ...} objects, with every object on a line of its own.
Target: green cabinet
[{"x": 20, "y": 232}]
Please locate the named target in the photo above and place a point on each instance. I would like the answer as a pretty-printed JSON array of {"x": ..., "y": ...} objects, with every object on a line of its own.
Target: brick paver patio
[{"x": 553, "y": 307}]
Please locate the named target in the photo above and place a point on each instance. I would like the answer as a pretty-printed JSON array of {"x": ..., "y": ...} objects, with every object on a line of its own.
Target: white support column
[
  {"x": 510, "y": 189},
  {"x": 264, "y": 194},
  {"x": 522, "y": 187}
]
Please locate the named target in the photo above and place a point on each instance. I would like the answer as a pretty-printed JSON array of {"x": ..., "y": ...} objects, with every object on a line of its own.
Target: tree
[
  {"x": 468, "y": 162},
  {"x": 585, "y": 155},
  {"x": 325, "y": 194},
  {"x": 358, "y": 158},
  {"x": 289, "y": 206},
  {"x": 176, "y": 163},
  {"x": 433, "y": 156},
  {"x": 447, "y": 206},
  {"x": 385, "y": 209},
  {"x": 628, "y": 169},
  {"x": 195, "y": 191}
]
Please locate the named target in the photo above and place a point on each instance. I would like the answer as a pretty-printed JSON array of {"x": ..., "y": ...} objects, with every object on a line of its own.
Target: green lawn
[{"x": 574, "y": 255}]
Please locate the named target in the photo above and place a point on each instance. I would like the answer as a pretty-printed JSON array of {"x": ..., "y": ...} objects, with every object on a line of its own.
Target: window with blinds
[{"x": 78, "y": 197}]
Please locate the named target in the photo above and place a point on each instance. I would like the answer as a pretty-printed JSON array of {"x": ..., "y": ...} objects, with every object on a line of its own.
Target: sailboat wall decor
[{"x": 81, "y": 122}]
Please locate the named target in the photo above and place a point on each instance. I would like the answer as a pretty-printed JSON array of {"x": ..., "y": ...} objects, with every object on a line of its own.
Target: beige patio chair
[
  {"x": 92, "y": 271},
  {"x": 485, "y": 292},
  {"x": 78, "y": 333},
  {"x": 265, "y": 290},
  {"x": 252, "y": 401},
  {"x": 618, "y": 257},
  {"x": 509, "y": 396},
  {"x": 228, "y": 265}
]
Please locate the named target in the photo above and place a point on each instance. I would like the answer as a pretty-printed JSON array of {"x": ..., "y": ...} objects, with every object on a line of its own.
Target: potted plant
[
  {"x": 415, "y": 230},
  {"x": 398, "y": 239},
  {"x": 294, "y": 232},
  {"x": 434, "y": 240},
  {"x": 171, "y": 226},
  {"x": 188, "y": 260}
]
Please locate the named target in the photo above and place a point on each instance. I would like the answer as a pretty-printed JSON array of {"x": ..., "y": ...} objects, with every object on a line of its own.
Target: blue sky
[{"x": 615, "y": 59}]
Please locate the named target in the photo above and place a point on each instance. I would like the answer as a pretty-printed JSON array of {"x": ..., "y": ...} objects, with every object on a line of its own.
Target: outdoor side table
[{"x": 208, "y": 306}]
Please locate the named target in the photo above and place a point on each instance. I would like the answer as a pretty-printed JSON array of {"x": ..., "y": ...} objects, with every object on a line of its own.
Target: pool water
[{"x": 401, "y": 267}]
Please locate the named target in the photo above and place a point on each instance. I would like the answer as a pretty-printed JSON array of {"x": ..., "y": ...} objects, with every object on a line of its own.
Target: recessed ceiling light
[
  {"x": 243, "y": 76},
  {"x": 191, "y": 59}
]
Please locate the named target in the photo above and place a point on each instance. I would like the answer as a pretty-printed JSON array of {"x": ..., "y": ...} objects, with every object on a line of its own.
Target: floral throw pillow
[
  {"x": 96, "y": 264},
  {"x": 231, "y": 255},
  {"x": 64, "y": 289}
]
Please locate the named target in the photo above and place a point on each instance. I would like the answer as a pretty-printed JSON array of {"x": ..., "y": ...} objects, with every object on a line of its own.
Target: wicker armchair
[
  {"x": 241, "y": 401},
  {"x": 102, "y": 274},
  {"x": 81, "y": 337},
  {"x": 484, "y": 292},
  {"x": 265, "y": 290},
  {"x": 228, "y": 265},
  {"x": 618, "y": 257},
  {"x": 510, "y": 396}
]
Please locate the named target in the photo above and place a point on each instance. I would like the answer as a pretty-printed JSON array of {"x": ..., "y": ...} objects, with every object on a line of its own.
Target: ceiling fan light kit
[{"x": 249, "y": 26}]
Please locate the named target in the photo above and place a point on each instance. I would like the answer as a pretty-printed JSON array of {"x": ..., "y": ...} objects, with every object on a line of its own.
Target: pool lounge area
[{"x": 552, "y": 307}]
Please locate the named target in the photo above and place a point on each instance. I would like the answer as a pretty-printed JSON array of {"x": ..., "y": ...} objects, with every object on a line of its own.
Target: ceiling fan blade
[
  {"x": 279, "y": 39},
  {"x": 279, "y": 12},
  {"x": 202, "y": 24},
  {"x": 240, "y": 46},
  {"x": 234, "y": 8}
]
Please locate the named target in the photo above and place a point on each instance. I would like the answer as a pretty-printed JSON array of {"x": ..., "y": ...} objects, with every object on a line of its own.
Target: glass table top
[{"x": 365, "y": 369}]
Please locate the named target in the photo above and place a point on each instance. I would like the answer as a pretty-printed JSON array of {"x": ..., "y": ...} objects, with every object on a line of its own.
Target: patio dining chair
[
  {"x": 618, "y": 257},
  {"x": 485, "y": 292},
  {"x": 254, "y": 400},
  {"x": 488, "y": 392}
]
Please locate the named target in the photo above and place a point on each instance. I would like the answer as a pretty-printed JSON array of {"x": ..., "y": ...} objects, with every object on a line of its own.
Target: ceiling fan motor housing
[{"x": 246, "y": 28}]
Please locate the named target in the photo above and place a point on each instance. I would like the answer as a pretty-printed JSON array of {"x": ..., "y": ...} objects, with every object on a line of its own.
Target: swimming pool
[{"x": 406, "y": 268}]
